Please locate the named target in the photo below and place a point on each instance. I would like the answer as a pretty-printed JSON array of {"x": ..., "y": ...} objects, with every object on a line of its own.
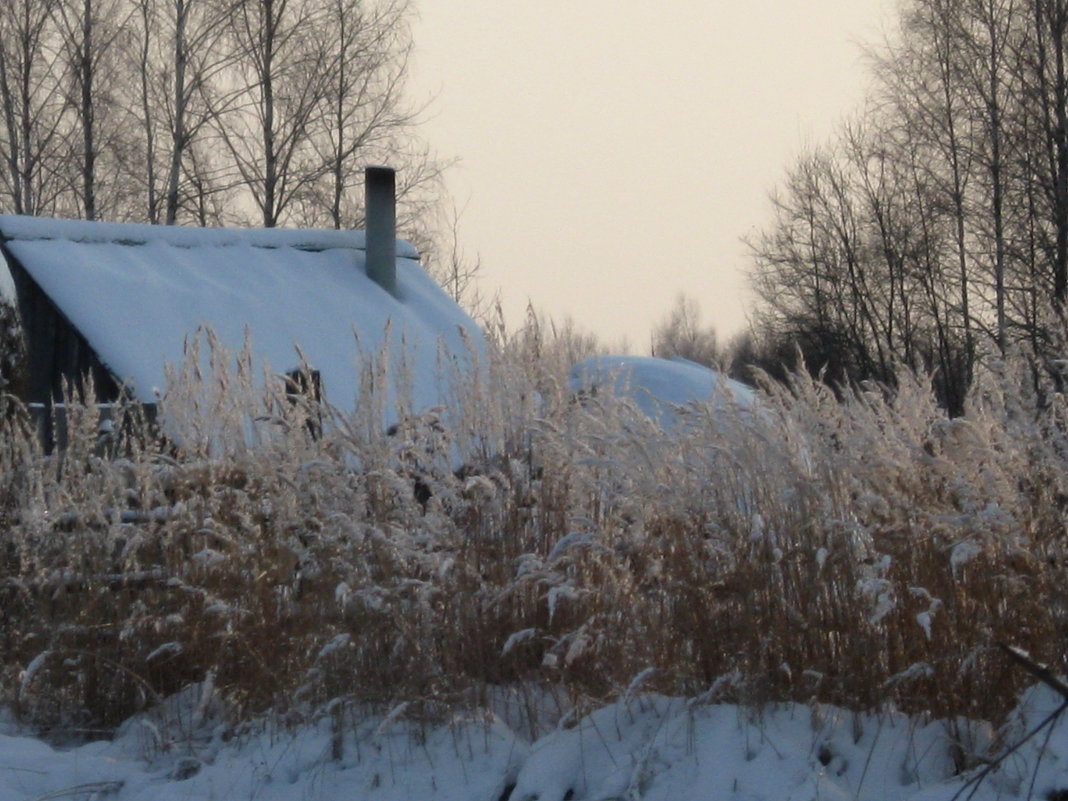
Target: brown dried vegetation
[{"x": 859, "y": 550}]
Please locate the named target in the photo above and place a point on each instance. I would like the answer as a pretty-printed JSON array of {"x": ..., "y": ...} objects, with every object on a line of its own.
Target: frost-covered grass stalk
[{"x": 855, "y": 551}]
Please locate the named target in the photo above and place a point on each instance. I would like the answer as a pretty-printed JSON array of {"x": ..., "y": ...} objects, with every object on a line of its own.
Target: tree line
[
  {"x": 932, "y": 231},
  {"x": 206, "y": 112}
]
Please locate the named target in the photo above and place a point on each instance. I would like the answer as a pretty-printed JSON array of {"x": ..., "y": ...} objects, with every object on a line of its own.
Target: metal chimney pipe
[{"x": 380, "y": 197}]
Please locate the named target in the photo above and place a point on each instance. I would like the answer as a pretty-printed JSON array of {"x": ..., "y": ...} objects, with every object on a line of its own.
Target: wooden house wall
[{"x": 55, "y": 350}]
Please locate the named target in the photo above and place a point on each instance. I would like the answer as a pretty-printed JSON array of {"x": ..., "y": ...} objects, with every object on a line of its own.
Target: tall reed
[{"x": 862, "y": 550}]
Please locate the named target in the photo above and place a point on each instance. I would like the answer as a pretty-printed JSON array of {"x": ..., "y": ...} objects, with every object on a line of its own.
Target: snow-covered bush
[
  {"x": 858, "y": 550},
  {"x": 12, "y": 348}
]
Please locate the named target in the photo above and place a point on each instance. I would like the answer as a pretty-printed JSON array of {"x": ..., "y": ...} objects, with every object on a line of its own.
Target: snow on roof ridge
[
  {"x": 24, "y": 228},
  {"x": 136, "y": 306}
]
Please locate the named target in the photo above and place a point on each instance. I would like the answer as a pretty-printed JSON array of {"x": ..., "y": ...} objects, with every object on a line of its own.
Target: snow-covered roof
[
  {"x": 136, "y": 292},
  {"x": 659, "y": 386}
]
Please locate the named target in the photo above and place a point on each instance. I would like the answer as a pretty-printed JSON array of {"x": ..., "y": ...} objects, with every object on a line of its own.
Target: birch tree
[
  {"x": 210, "y": 111},
  {"x": 282, "y": 67},
  {"x": 182, "y": 62},
  {"x": 364, "y": 112},
  {"x": 89, "y": 31},
  {"x": 31, "y": 95}
]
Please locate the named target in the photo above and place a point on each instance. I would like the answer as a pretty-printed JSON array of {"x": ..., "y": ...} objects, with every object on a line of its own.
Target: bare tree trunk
[
  {"x": 267, "y": 76},
  {"x": 946, "y": 69},
  {"x": 1060, "y": 137},
  {"x": 1050, "y": 26},
  {"x": 12, "y": 145},
  {"x": 86, "y": 111},
  {"x": 984, "y": 37},
  {"x": 179, "y": 134},
  {"x": 997, "y": 41},
  {"x": 148, "y": 112}
]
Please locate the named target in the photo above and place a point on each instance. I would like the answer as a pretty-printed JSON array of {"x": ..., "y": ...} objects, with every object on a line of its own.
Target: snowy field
[{"x": 651, "y": 748}]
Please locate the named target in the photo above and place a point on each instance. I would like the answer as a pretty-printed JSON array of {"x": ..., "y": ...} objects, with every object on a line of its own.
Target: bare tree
[
  {"x": 446, "y": 260},
  {"x": 365, "y": 119},
  {"x": 283, "y": 67},
  {"x": 919, "y": 85},
  {"x": 212, "y": 111},
  {"x": 31, "y": 96},
  {"x": 89, "y": 30},
  {"x": 938, "y": 219},
  {"x": 814, "y": 290},
  {"x": 364, "y": 114},
  {"x": 680, "y": 334},
  {"x": 1047, "y": 80},
  {"x": 182, "y": 60}
]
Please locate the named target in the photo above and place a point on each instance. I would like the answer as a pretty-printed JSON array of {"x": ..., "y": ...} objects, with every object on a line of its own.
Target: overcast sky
[{"x": 612, "y": 153}]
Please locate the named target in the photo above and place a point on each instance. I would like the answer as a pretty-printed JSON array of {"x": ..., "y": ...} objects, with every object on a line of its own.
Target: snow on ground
[{"x": 651, "y": 748}]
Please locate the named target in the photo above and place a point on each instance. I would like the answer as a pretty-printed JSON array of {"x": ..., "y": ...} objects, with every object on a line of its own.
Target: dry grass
[{"x": 858, "y": 551}]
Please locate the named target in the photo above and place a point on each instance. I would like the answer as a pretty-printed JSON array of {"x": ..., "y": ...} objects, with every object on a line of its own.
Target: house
[{"x": 119, "y": 302}]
